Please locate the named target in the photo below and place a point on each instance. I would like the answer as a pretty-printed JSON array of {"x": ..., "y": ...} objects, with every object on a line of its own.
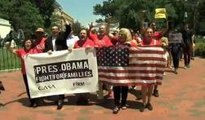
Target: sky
[{"x": 81, "y": 10}]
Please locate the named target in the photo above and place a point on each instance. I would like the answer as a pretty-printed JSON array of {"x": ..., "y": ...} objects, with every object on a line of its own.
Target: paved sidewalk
[{"x": 182, "y": 97}]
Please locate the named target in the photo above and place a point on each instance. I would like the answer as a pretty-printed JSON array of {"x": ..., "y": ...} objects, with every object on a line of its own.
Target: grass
[{"x": 8, "y": 61}]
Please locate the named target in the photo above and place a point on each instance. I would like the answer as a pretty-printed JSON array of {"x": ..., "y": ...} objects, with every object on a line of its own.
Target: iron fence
[{"x": 8, "y": 60}]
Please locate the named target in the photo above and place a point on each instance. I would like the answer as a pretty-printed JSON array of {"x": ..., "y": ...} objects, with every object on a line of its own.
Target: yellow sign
[{"x": 160, "y": 13}]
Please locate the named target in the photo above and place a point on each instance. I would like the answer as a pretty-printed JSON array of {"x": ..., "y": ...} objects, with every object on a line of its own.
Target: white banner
[{"x": 62, "y": 72}]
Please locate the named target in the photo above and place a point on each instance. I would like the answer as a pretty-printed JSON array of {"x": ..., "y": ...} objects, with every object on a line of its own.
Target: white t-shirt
[
  {"x": 71, "y": 40},
  {"x": 54, "y": 43}
]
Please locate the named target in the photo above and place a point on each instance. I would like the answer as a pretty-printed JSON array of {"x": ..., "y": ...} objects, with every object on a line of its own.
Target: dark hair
[
  {"x": 26, "y": 39},
  {"x": 87, "y": 33}
]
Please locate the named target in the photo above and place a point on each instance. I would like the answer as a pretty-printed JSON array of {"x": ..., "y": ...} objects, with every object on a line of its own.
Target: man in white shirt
[{"x": 71, "y": 40}]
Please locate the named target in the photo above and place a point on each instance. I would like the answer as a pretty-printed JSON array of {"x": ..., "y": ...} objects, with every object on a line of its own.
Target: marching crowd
[{"x": 177, "y": 43}]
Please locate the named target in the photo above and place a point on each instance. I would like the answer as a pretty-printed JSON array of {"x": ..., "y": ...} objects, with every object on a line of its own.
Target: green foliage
[
  {"x": 129, "y": 12},
  {"x": 27, "y": 14},
  {"x": 107, "y": 9},
  {"x": 46, "y": 8},
  {"x": 200, "y": 47},
  {"x": 21, "y": 14},
  {"x": 76, "y": 27}
]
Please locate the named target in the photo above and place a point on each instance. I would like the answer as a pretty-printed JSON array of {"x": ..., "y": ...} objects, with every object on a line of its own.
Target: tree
[
  {"x": 28, "y": 14},
  {"x": 76, "y": 27},
  {"x": 108, "y": 9},
  {"x": 21, "y": 14},
  {"x": 46, "y": 8},
  {"x": 129, "y": 12}
]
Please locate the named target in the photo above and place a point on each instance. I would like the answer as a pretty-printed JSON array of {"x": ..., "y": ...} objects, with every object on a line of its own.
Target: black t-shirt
[{"x": 187, "y": 36}]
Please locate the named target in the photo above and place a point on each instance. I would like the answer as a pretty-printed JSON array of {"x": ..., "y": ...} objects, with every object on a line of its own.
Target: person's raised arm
[
  {"x": 11, "y": 49},
  {"x": 92, "y": 33},
  {"x": 68, "y": 28},
  {"x": 164, "y": 30}
]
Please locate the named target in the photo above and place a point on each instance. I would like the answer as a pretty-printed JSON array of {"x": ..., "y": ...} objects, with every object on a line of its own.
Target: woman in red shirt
[
  {"x": 148, "y": 39},
  {"x": 27, "y": 49}
]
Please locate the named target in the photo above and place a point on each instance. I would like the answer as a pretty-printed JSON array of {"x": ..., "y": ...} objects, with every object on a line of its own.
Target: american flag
[
  {"x": 113, "y": 56},
  {"x": 131, "y": 66}
]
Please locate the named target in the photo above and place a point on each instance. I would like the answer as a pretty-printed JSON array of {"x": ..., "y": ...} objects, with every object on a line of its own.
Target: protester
[
  {"x": 188, "y": 44},
  {"x": 50, "y": 46},
  {"x": 50, "y": 43},
  {"x": 71, "y": 38},
  {"x": 193, "y": 47},
  {"x": 61, "y": 44},
  {"x": 175, "y": 44},
  {"x": 121, "y": 92},
  {"x": 39, "y": 41},
  {"x": 28, "y": 48},
  {"x": 83, "y": 42},
  {"x": 165, "y": 46},
  {"x": 61, "y": 40},
  {"x": 114, "y": 36},
  {"x": 148, "y": 40},
  {"x": 101, "y": 39},
  {"x": 157, "y": 35}
]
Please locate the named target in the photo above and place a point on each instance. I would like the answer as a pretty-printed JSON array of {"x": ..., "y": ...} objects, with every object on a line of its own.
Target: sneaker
[
  {"x": 59, "y": 104},
  {"x": 188, "y": 66},
  {"x": 82, "y": 101},
  {"x": 116, "y": 110},
  {"x": 33, "y": 103},
  {"x": 164, "y": 73},
  {"x": 139, "y": 97},
  {"x": 109, "y": 96},
  {"x": 123, "y": 107},
  {"x": 149, "y": 106},
  {"x": 156, "y": 93},
  {"x": 175, "y": 71}
]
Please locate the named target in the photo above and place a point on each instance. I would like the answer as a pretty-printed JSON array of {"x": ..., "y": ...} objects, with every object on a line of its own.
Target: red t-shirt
[
  {"x": 84, "y": 43},
  {"x": 100, "y": 41},
  {"x": 21, "y": 53},
  {"x": 133, "y": 43},
  {"x": 40, "y": 45},
  {"x": 157, "y": 35},
  {"x": 153, "y": 42}
]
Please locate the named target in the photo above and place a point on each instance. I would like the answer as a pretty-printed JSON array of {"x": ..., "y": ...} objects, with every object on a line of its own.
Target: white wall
[{"x": 5, "y": 27}]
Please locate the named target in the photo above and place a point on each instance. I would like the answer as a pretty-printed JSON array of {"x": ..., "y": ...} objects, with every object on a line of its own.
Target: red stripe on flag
[{"x": 130, "y": 71}]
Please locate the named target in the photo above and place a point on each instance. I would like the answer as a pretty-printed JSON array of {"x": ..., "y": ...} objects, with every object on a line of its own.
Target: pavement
[{"x": 182, "y": 97}]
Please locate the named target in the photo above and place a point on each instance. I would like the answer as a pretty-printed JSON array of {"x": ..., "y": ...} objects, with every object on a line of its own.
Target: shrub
[{"x": 200, "y": 47}]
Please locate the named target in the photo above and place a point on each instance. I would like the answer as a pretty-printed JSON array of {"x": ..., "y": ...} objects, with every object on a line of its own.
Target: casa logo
[{"x": 46, "y": 87}]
